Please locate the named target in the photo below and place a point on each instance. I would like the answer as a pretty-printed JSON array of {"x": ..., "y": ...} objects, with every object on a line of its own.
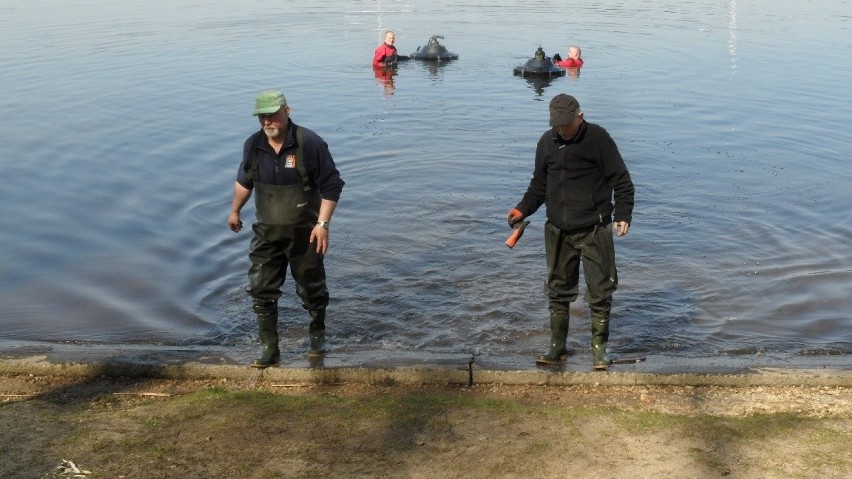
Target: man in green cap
[
  {"x": 578, "y": 172},
  {"x": 297, "y": 187}
]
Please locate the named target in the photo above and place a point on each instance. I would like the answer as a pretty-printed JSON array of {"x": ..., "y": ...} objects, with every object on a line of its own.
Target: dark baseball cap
[{"x": 563, "y": 109}]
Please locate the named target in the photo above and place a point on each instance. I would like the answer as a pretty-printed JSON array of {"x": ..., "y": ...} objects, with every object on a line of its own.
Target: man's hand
[
  {"x": 241, "y": 195},
  {"x": 514, "y": 216},
  {"x": 234, "y": 222},
  {"x": 320, "y": 235},
  {"x": 620, "y": 228}
]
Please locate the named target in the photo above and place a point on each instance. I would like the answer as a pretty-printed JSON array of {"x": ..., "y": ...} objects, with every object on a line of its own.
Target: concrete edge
[{"x": 425, "y": 375}]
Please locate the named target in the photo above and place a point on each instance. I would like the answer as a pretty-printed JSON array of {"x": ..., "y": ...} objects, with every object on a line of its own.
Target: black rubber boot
[
  {"x": 600, "y": 336},
  {"x": 316, "y": 330},
  {"x": 558, "y": 334},
  {"x": 267, "y": 322}
]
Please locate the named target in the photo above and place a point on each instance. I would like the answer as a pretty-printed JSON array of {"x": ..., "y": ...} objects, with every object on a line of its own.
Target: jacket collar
[{"x": 577, "y": 137}]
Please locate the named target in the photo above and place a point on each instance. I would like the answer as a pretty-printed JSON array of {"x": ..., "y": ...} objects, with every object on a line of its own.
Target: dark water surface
[{"x": 123, "y": 123}]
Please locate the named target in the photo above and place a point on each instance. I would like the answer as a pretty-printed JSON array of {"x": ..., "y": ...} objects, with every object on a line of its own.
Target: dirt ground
[{"x": 146, "y": 428}]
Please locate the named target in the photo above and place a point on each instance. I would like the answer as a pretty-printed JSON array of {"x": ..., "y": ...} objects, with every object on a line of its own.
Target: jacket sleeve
[
  {"x": 618, "y": 178},
  {"x": 537, "y": 189},
  {"x": 243, "y": 177},
  {"x": 323, "y": 170},
  {"x": 379, "y": 55},
  {"x": 567, "y": 63}
]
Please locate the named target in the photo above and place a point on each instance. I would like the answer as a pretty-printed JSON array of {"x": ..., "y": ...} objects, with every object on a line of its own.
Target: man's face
[
  {"x": 272, "y": 123},
  {"x": 568, "y": 131},
  {"x": 390, "y": 38}
]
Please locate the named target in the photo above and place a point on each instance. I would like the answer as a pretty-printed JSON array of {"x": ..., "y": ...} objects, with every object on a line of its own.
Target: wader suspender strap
[{"x": 300, "y": 164}]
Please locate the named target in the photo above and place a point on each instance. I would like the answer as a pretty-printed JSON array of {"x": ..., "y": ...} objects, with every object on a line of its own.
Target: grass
[{"x": 217, "y": 432}]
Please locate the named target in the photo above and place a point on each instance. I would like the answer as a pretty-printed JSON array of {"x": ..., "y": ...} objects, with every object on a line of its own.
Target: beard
[{"x": 271, "y": 131}]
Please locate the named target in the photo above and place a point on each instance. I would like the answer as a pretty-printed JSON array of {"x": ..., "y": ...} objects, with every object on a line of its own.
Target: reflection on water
[
  {"x": 732, "y": 36},
  {"x": 384, "y": 76},
  {"x": 539, "y": 83},
  {"x": 115, "y": 203},
  {"x": 433, "y": 68}
]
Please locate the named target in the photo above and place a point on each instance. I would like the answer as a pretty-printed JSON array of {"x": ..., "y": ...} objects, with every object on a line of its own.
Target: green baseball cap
[{"x": 269, "y": 101}]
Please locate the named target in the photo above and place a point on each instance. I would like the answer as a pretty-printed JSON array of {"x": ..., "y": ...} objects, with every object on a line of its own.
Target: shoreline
[{"x": 379, "y": 368}]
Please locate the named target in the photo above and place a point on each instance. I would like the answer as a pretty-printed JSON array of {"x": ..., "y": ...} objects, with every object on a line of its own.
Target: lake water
[{"x": 122, "y": 131}]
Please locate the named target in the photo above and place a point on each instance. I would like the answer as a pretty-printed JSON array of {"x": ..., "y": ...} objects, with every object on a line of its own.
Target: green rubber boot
[
  {"x": 267, "y": 322},
  {"x": 600, "y": 337},
  {"x": 316, "y": 330},
  {"x": 558, "y": 334}
]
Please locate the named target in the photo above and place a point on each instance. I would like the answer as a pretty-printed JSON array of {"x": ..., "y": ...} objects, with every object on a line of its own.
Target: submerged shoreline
[{"x": 379, "y": 367}]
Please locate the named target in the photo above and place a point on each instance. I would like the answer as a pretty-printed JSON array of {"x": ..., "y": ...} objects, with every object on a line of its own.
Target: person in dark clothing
[
  {"x": 578, "y": 172},
  {"x": 297, "y": 186}
]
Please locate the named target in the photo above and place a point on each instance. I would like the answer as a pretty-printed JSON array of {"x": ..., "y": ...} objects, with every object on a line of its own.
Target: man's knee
[
  {"x": 600, "y": 307},
  {"x": 265, "y": 307}
]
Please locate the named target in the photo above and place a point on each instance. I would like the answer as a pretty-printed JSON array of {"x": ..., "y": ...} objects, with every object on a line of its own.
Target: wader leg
[
  {"x": 563, "y": 266},
  {"x": 308, "y": 271},
  {"x": 600, "y": 336},
  {"x": 316, "y": 330},
  {"x": 267, "y": 322},
  {"x": 558, "y": 336},
  {"x": 601, "y": 283}
]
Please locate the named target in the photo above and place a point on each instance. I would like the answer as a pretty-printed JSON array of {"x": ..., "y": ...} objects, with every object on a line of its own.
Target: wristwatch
[{"x": 324, "y": 224}]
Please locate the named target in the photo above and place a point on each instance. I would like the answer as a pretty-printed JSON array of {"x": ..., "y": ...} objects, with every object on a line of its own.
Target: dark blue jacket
[{"x": 272, "y": 168}]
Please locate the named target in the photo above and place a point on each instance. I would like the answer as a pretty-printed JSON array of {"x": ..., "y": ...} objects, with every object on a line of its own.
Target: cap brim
[
  {"x": 266, "y": 111},
  {"x": 562, "y": 119}
]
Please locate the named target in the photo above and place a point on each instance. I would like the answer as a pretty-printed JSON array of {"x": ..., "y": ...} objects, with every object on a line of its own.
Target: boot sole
[
  {"x": 274, "y": 362},
  {"x": 542, "y": 360},
  {"x": 263, "y": 366}
]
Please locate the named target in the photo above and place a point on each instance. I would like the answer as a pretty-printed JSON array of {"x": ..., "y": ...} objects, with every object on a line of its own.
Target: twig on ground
[{"x": 163, "y": 395}]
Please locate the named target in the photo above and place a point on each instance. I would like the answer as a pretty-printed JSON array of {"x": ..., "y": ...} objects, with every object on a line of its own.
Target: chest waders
[
  {"x": 286, "y": 216},
  {"x": 565, "y": 250}
]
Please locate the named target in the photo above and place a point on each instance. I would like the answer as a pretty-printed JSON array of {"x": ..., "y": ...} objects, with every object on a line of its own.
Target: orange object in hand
[
  {"x": 516, "y": 233},
  {"x": 514, "y": 216}
]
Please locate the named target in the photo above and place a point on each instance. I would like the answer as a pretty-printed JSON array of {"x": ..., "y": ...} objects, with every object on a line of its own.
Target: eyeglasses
[{"x": 268, "y": 116}]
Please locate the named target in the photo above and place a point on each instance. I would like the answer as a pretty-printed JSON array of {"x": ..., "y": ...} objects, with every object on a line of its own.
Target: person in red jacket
[
  {"x": 574, "y": 59},
  {"x": 385, "y": 54}
]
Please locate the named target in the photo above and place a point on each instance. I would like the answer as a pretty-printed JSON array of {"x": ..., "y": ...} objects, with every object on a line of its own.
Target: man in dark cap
[
  {"x": 297, "y": 188},
  {"x": 578, "y": 172}
]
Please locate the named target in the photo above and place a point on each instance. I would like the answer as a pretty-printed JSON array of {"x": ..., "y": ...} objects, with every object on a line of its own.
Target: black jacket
[{"x": 576, "y": 179}]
